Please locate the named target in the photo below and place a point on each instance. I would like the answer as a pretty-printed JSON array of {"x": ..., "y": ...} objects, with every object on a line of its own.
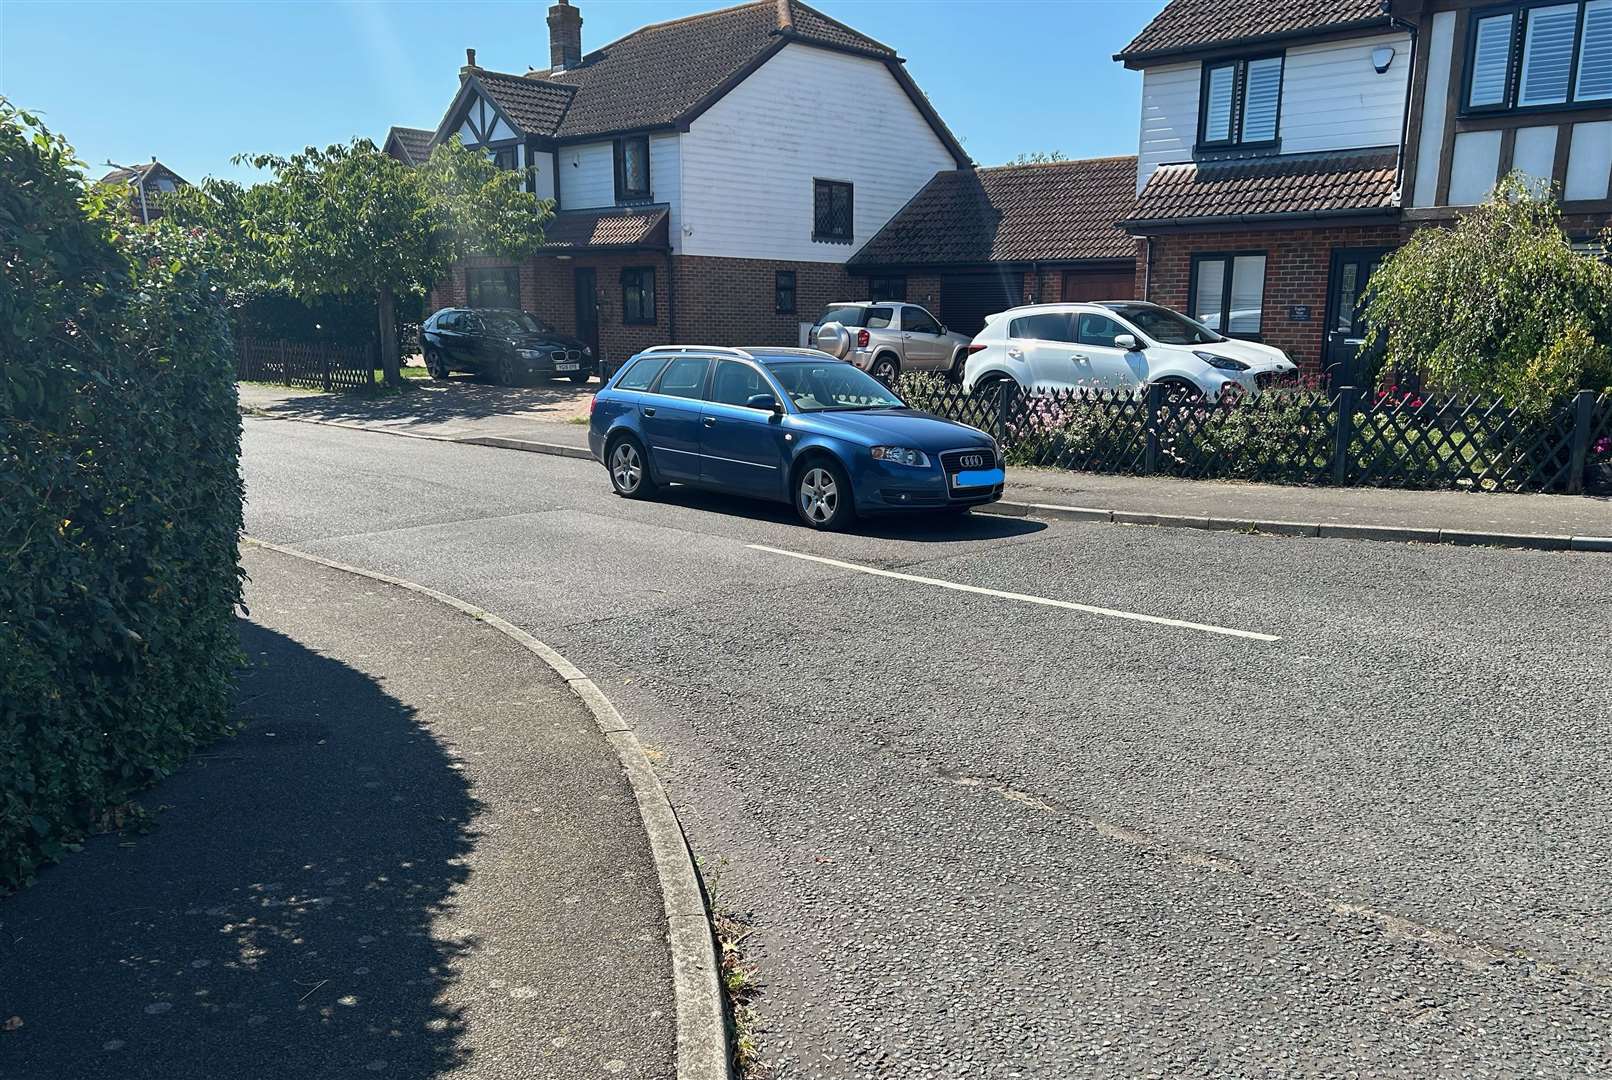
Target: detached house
[
  {"x": 148, "y": 186},
  {"x": 711, "y": 175},
  {"x": 1284, "y": 149}
]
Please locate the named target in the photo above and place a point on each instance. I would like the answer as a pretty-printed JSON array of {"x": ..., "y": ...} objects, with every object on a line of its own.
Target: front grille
[
  {"x": 573, "y": 354},
  {"x": 1267, "y": 379},
  {"x": 953, "y": 461}
]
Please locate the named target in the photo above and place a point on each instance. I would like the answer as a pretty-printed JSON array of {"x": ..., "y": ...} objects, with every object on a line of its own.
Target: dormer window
[
  {"x": 1540, "y": 56},
  {"x": 632, "y": 169},
  {"x": 1240, "y": 102}
]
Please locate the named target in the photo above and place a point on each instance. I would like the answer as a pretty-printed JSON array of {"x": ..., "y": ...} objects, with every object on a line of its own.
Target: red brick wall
[
  {"x": 732, "y": 302},
  {"x": 1297, "y": 265}
]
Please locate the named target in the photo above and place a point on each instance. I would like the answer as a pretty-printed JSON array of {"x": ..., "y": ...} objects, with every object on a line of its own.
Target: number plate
[
  {"x": 566, "y": 367},
  {"x": 977, "y": 478}
]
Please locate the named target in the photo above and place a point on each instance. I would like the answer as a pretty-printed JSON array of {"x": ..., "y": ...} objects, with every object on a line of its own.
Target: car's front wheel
[
  {"x": 508, "y": 371},
  {"x": 629, "y": 469},
  {"x": 436, "y": 364},
  {"x": 954, "y": 374},
  {"x": 823, "y": 495},
  {"x": 579, "y": 377}
]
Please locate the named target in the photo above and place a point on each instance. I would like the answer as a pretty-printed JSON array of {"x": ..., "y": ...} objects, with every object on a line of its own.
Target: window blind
[
  {"x": 1217, "y": 113},
  {"x": 1491, "y": 60},
  {"x": 1263, "y": 93},
  {"x": 1595, "y": 53},
  {"x": 1547, "y": 56}
]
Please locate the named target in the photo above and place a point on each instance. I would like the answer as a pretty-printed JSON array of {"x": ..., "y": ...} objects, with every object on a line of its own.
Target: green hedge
[{"x": 120, "y": 504}]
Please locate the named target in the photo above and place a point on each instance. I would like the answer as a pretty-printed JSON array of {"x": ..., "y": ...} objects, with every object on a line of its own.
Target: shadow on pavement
[
  {"x": 280, "y": 920},
  {"x": 460, "y": 398},
  {"x": 919, "y": 526}
]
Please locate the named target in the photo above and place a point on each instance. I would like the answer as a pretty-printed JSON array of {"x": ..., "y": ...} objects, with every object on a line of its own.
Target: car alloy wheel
[
  {"x": 819, "y": 496},
  {"x": 885, "y": 370},
  {"x": 507, "y": 372},
  {"x": 434, "y": 364},
  {"x": 627, "y": 468}
]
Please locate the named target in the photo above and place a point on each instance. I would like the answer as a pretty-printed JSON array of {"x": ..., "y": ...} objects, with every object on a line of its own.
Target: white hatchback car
[{"x": 1117, "y": 345}]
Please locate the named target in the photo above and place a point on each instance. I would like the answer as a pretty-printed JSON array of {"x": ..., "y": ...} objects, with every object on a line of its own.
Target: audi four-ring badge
[{"x": 789, "y": 425}]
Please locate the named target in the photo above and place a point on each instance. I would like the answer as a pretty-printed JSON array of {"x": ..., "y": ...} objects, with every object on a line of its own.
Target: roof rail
[{"x": 725, "y": 350}]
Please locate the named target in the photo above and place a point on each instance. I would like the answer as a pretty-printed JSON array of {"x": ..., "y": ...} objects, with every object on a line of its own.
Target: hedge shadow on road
[
  {"x": 284, "y": 919},
  {"x": 459, "y": 398}
]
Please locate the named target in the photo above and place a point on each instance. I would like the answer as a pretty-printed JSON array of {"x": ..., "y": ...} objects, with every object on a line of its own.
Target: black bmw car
[{"x": 504, "y": 344}]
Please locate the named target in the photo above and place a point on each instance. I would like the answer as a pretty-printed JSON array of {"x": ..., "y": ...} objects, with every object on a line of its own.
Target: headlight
[
  {"x": 528, "y": 354},
  {"x": 587, "y": 350},
  {"x": 901, "y": 455},
  {"x": 1224, "y": 363}
]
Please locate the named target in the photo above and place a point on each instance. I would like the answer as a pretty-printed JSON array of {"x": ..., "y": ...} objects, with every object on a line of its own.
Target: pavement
[
  {"x": 1016, "y": 797},
  {"x": 419, "y": 858},
  {"x": 551, "y": 418}
]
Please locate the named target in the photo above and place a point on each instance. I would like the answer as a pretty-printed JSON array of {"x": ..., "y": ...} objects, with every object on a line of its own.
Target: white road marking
[{"x": 1021, "y": 597}]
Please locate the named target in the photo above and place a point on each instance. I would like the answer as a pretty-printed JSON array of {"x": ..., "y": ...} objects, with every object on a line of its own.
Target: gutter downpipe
[
  {"x": 1410, "y": 90},
  {"x": 1147, "y": 268}
]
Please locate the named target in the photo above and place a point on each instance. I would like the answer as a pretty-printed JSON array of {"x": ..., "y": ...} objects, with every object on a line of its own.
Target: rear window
[
  {"x": 880, "y": 317},
  {"x": 1050, "y": 326},
  {"x": 845, "y": 316},
  {"x": 641, "y": 374}
]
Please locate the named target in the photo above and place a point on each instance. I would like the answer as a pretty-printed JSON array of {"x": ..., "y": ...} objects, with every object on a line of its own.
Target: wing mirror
[
  {"x": 765, "y": 401},
  {"x": 1127, "y": 342}
]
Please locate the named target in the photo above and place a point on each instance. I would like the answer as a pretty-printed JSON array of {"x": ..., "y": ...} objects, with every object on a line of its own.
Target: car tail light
[
  {"x": 591, "y": 399},
  {"x": 862, "y": 339},
  {"x": 972, "y": 349}
]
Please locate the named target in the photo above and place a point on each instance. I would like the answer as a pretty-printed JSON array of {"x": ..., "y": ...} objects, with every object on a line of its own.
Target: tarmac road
[{"x": 1350, "y": 821}]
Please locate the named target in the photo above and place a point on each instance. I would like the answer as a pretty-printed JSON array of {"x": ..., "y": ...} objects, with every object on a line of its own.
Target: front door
[
  {"x": 921, "y": 341},
  {"x": 587, "y": 298},
  {"x": 741, "y": 448},
  {"x": 1345, "y": 327},
  {"x": 1108, "y": 366}
]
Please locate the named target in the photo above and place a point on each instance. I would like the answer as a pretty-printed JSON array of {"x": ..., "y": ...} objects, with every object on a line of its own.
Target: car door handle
[
  {"x": 710, "y": 421},
  {"x": 1015, "y": 352},
  {"x": 649, "y": 412},
  {"x": 1082, "y": 358}
]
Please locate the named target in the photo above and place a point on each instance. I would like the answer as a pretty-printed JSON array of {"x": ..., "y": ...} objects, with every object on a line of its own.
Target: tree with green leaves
[
  {"x": 350, "y": 219},
  {"x": 1500, "y": 303}
]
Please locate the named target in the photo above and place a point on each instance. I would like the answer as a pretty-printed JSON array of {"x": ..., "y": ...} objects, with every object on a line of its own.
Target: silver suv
[{"x": 885, "y": 338}]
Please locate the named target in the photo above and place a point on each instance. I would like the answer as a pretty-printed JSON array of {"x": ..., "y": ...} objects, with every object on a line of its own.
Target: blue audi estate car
[{"x": 790, "y": 425}]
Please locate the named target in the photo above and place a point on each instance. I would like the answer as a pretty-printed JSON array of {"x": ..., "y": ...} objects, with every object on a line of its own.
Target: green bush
[
  {"x": 120, "y": 503},
  {"x": 1500, "y": 304}
]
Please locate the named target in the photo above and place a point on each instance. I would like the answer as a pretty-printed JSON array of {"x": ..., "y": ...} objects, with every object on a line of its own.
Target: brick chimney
[{"x": 565, "y": 36}]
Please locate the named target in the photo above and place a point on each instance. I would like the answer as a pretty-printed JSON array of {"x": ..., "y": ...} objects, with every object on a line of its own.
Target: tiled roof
[
  {"x": 537, "y": 106},
  {"x": 415, "y": 143},
  {"x": 611, "y": 228},
  {"x": 656, "y": 74},
  {"x": 1185, "y": 25},
  {"x": 1058, "y": 211},
  {"x": 148, "y": 172},
  {"x": 1320, "y": 184}
]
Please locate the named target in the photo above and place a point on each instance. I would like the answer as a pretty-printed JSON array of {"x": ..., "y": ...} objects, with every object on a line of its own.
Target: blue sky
[{"x": 197, "y": 82}]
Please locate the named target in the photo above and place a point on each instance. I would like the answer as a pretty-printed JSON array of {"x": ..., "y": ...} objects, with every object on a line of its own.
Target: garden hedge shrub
[{"x": 120, "y": 503}]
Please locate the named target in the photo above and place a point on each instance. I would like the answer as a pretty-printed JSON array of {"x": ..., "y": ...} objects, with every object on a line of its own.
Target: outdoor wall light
[{"x": 1381, "y": 57}]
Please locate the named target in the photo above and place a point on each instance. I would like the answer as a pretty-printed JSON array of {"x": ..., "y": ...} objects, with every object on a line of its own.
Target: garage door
[
  {"x": 965, "y": 299},
  {"x": 1099, "y": 284}
]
